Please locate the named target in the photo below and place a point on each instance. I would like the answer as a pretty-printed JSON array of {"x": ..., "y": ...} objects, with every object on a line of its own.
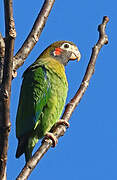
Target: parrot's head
[{"x": 63, "y": 51}]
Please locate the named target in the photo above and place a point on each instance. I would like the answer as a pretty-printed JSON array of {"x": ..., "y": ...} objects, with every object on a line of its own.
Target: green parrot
[{"x": 43, "y": 95}]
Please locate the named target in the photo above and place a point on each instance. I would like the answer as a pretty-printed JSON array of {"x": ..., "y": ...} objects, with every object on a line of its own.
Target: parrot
[{"x": 43, "y": 95}]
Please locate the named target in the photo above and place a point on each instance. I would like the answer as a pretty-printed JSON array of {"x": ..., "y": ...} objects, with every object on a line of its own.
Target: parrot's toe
[
  {"x": 62, "y": 122},
  {"x": 51, "y": 136}
]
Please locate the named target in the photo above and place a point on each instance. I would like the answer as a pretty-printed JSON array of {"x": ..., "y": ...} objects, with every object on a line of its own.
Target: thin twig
[
  {"x": 103, "y": 39},
  {"x": 60, "y": 130},
  {"x": 34, "y": 35},
  {"x": 5, "y": 89}
]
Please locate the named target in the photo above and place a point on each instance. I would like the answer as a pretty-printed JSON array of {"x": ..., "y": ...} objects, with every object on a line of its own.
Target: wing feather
[{"x": 34, "y": 95}]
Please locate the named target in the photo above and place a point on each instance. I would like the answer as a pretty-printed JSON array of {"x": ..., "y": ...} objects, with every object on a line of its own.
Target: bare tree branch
[
  {"x": 103, "y": 39},
  {"x": 60, "y": 130},
  {"x": 34, "y": 35},
  {"x": 5, "y": 89},
  {"x": 2, "y": 54}
]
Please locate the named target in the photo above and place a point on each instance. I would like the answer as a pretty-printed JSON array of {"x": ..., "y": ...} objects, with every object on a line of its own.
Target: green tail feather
[{"x": 28, "y": 154}]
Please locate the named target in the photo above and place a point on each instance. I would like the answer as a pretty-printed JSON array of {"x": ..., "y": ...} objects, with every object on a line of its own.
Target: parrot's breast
[{"x": 58, "y": 92}]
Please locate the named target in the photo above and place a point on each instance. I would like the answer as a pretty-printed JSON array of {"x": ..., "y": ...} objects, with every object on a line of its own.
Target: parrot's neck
[{"x": 55, "y": 66}]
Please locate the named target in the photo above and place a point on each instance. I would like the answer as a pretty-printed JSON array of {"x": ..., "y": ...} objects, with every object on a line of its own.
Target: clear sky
[{"x": 88, "y": 151}]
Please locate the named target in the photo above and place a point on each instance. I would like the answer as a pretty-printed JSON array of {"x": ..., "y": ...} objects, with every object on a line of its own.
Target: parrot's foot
[
  {"x": 62, "y": 122},
  {"x": 51, "y": 136}
]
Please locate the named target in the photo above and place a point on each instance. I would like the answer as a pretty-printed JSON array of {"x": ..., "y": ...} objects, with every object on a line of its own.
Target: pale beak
[{"x": 75, "y": 54}]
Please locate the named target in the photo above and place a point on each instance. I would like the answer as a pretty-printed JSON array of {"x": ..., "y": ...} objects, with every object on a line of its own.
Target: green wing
[{"x": 34, "y": 95}]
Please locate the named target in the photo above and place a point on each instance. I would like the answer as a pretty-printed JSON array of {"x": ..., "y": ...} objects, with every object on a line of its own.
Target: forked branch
[
  {"x": 34, "y": 35},
  {"x": 60, "y": 130}
]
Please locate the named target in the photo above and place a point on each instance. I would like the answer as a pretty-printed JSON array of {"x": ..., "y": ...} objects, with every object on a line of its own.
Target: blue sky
[{"x": 88, "y": 151}]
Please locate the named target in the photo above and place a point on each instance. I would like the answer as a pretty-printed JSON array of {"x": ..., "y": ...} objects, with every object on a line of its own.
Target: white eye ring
[{"x": 66, "y": 46}]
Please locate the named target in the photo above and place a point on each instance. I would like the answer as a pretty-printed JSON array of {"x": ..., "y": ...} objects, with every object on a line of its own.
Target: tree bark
[{"x": 2, "y": 54}]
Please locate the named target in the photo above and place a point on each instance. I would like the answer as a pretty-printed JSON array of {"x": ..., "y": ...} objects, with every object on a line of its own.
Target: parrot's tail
[
  {"x": 22, "y": 143},
  {"x": 28, "y": 154}
]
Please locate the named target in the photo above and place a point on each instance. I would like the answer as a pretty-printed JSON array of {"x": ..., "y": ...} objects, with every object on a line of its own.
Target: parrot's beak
[{"x": 75, "y": 54}]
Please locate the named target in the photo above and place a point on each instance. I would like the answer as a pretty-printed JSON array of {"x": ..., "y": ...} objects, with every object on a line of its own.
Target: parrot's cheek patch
[{"x": 57, "y": 51}]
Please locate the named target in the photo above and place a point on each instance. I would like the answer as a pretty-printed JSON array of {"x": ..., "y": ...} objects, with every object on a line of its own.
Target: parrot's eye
[{"x": 66, "y": 45}]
